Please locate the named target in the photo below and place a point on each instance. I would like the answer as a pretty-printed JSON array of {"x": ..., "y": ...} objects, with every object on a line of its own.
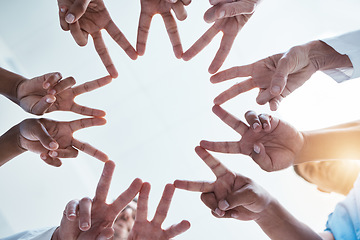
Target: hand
[
  {"x": 236, "y": 15},
  {"x": 279, "y": 75},
  {"x": 93, "y": 218},
  {"x": 84, "y": 17},
  {"x": 48, "y": 93},
  {"x": 231, "y": 195},
  {"x": 144, "y": 229},
  {"x": 54, "y": 140},
  {"x": 163, "y": 7},
  {"x": 272, "y": 143}
]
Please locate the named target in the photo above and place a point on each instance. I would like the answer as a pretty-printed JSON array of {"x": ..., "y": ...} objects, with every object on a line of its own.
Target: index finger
[
  {"x": 215, "y": 165},
  {"x": 235, "y": 90},
  {"x": 173, "y": 33},
  {"x": 104, "y": 182},
  {"x": 194, "y": 186},
  {"x": 91, "y": 85},
  {"x": 121, "y": 40},
  {"x": 104, "y": 55},
  {"x": 143, "y": 32},
  {"x": 234, "y": 72},
  {"x": 230, "y": 120},
  {"x": 88, "y": 149},
  {"x": 142, "y": 205}
]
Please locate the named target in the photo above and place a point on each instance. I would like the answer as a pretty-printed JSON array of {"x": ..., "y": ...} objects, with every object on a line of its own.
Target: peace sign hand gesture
[
  {"x": 230, "y": 195},
  {"x": 144, "y": 229},
  {"x": 84, "y": 17},
  {"x": 149, "y": 8},
  {"x": 54, "y": 140},
  {"x": 272, "y": 143},
  {"x": 89, "y": 219}
]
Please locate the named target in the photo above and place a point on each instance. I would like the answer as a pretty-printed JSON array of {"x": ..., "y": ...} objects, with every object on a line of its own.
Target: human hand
[
  {"x": 49, "y": 92},
  {"x": 93, "y": 218},
  {"x": 230, "y": 195},
  {"x": 149, "y": 8},
  {"x": 230, "y": 18},
  {"x": 84, "y": 17},
  {"x": 279, "y": 75},
  {"x": 54, "y": 140},
  {"x": 144, "y": 229},
  {"x": 272, "y": 143}
]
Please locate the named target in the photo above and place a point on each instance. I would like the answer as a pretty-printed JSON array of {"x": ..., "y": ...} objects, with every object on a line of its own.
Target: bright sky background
[{"x": 159, "y": 108}]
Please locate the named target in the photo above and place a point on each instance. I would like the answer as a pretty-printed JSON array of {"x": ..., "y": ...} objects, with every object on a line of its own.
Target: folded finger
[
  {"x": 88, "y": 149},
  {"x": 68, "y": 152},
  {"x": 241, "y": 71},
  {"x": 91, "y": 85},
  {"x": 186, "y": 2},
  {"x": 201, "y": 43},
  {"x": 253, "y": 120},
  {"x": 143, "y": 32},
  {"x": 173, "y": 33},
  {"x": 261, "y": 158},
  {"x": 230, "y": 120},
  {"x": 49, "y": 160},
  {"x": 79, "y": 36},
  {"x": 76, "y": 10},
  {"x": 71, "y": 210},
  {"x": 40, "y": 133},
  {"x": 62, "y": 85},
  {"x": 104, "y": 55},
  {"x": 179, "y": 10},
  {"x": 223, "y": 147},
  {"x": 62, "y": 11},
  {"x": 194, "y": 186},
  {"x": 209, "y": 199},
  {"x": 85, "y": 213},
  {"x": 275, "y": 102},
  {"x": 51, "y": 79},
  {"x": 265, "y": 121},
  {"x": 235, "y": 90},
  {"x": 121, "y": 40},
  {"x": 85, "y": 123}
]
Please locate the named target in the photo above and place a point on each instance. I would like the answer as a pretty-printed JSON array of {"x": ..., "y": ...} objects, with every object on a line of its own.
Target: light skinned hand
[
  {"x": 84, "y": 17},
  {"x": 144, "y": 229},
  {"x": 149, "y": 8},
  {"x": 236, "y": 15},
  {"x": 231, "y": 195},
  {"x": 279, "y": 75},
  {"x": 49, "y": 93},
  {"x": 89, "y": 219},
  {"x": 54, "y": 140},
  {"x": 272, "y": 143}
]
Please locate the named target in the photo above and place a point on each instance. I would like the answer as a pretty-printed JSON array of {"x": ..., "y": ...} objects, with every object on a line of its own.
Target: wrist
[
  {"x": 324, "y": 57},
  {"x": 9, "y": 84},
  {"x": 10, "y": 146}
]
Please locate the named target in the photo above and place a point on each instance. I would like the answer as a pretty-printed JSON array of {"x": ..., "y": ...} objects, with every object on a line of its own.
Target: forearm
[
  {"x": 339, "y": 142},
  {"x": 279, "y": 224},
  {"x": 9, "y": 145},
  {"x": 9, "y": 83}
]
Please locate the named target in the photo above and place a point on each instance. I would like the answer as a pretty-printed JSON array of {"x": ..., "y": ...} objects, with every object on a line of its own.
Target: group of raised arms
[{"x": 271, "y": 142}]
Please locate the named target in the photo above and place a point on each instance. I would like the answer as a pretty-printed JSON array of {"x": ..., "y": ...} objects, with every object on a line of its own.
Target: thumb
[
  {"x": 225, "y": 10},
  {"x": 76, "y": 10},
  {"x": 40, "y": 133},
  {"x": 280, "y": 76}
]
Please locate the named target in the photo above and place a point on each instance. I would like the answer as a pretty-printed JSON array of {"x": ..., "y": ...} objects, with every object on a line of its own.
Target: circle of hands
[{"x": 230, "y": 195}]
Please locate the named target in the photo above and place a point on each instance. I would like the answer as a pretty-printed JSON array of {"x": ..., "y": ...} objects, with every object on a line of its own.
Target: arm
[
  {"x": 10, "y": 146},
  {"x": 9, "y": 83}
]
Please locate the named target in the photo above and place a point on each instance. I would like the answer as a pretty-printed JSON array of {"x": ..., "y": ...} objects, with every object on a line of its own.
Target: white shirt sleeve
[
  {"x": 348, "y": 44},
  {"x": 37, "y": 234}
]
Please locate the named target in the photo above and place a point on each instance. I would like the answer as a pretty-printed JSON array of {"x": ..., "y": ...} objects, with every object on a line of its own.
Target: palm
[{"x": 152, "y": 7}]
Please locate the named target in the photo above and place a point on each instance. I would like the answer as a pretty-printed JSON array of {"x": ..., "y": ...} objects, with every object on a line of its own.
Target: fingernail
[
  {"x": 219, "y": 212},
  {"x": 275, "y": 90},
  {"x": 69, "y": 18},
  {"x": 173, "y": 1},
  {"x": 58, "y": 75},
  {"x": 255, "y": 125},
  {"x": 221, "y": 14},
  {"x": 53, "y": 145},
  {"x": 52, "y": 92},
  {"x": 53, "y": 154},
  {"x": 234, "y": 215},
  {"x": 256, "y": 149},
  {"x": 72, "y": 215},
  {"x": 50, "y": 100},
  {"x": 265, "y": 125},
  {"x": 84, "y": 225},
  {"x": 43, "y": 156},
  {"x": 62, "y": 9},
  {"x": 223, "y": 205},
  {"x": 46, "y": 85}
]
